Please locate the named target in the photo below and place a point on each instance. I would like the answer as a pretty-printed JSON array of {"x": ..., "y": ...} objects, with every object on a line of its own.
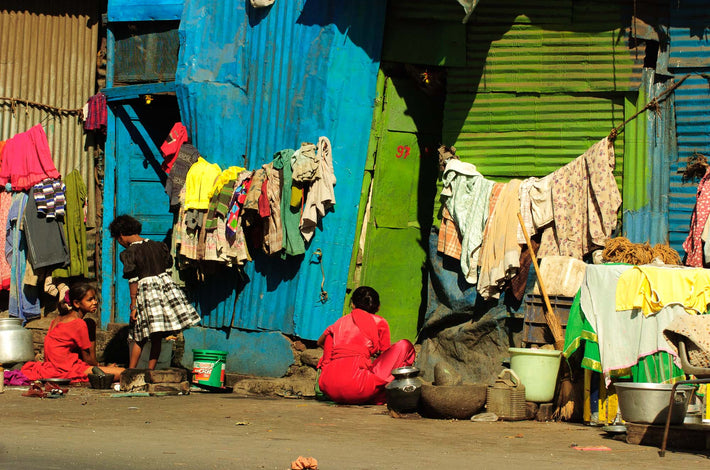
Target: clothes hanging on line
[
  {"x": 466, "y": 195},
  {"x": 320, "y": 197},
  {"x": 585, "y": 200},
  {"x": 693, "y": 244},
  {"x": 26, "y": 160},
  {"x": 96, "y": 117},
  {"x": 500, "y": 251},
  {"x": 75, "y": 227}
]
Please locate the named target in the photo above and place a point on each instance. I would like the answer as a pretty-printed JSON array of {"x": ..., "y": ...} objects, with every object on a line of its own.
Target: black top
[{"x": 144, "y": 259}]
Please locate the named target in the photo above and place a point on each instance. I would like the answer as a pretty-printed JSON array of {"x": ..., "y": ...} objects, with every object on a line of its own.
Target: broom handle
[{"x": 552, "y": 321}]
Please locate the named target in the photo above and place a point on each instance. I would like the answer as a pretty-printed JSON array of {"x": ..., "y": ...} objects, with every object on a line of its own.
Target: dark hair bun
[{"x": 366, "y": 298}]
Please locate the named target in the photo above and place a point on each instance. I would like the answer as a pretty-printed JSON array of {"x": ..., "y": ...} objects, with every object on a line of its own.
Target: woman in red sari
[{"x": 357, "y": 356}]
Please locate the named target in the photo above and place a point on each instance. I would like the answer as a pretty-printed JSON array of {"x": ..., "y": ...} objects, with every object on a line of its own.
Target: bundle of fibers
[{"x": 622, "y": 250}]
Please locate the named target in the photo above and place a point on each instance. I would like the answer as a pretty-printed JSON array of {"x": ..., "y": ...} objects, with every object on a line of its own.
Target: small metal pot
[
  {"x": 404, "y": 391},
  {"x": 15, "y": 342}
]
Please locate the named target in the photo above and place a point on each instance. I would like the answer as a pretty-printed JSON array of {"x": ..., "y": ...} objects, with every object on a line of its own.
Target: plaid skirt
[{"x": 162, "y": 307}]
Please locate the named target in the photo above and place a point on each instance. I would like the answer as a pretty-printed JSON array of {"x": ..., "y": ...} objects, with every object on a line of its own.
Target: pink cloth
[
  {"x": 348, "y": 374},
  {"x": 26, "y": 160},
  {"x": 693, "y": 245},
  {"x": 172, "y": 144}
]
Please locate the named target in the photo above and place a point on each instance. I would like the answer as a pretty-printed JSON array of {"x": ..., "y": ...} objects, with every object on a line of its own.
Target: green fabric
[
  {"x": 75, "y": 227},
  {"x": 219, "y": 205},
  {"x": 290, "y": 217},
  {"x": 655, "y": 368}
]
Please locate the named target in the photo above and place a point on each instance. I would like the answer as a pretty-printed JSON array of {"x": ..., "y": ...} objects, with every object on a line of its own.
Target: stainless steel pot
[
  {"x": 15, "y": 342},
  {"x": 404, "y": 391},
  {"x": 648, "y": 402}
]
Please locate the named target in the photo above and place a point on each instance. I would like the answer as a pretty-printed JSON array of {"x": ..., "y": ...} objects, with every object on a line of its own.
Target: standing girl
[
  {"x": 69, "y": 347},
  {"x": 158, "y": 306}
]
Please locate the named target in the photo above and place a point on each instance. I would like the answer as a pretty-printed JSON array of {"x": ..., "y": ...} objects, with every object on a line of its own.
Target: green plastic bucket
[
  {"x": 208, "y": 367},
  {"x": 537, "y": 369}
]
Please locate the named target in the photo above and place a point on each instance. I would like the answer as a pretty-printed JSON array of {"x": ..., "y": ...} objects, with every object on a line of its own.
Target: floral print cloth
[{"x": 585, "y": 200}]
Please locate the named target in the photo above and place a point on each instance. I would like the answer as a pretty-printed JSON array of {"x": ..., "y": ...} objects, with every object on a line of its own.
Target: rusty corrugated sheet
[
  {"x": 48, "y": 55},
  {"x": 650, "y": 146}
]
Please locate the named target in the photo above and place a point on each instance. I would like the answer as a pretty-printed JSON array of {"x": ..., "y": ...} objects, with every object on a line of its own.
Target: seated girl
[
  {"x": 69, "y": 352},
  {"x": 357, "y": 357}
]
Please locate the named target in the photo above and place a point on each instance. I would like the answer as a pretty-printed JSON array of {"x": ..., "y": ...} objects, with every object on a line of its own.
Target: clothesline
[
  {"x": 651, "y": 104},
  {"x": 52, "y": 109}
]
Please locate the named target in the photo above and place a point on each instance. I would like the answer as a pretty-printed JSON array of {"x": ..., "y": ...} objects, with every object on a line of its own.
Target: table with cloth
[{"x": 620, "y": 331}]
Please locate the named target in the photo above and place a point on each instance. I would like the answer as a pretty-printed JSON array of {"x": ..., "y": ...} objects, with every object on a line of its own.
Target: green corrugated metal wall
[{"x": 543, "y": 82}]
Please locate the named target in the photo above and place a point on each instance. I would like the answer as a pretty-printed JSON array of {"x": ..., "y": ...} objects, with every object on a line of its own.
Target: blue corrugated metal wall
[
  {"x": 252, "y": 82},
  {"x": 689, "y": 53}
]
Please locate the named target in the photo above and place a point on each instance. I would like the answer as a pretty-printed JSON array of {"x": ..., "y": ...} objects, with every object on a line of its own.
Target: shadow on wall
[
  {"x": 490, "y": 23},
  {"x": 339, "y": 13}
]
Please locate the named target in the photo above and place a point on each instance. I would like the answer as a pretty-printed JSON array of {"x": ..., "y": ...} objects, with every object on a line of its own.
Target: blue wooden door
[{"x": 140, "y": 130}]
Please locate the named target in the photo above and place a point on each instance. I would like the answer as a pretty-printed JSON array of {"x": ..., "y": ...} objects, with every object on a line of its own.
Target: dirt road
[{"x": 89, "y": 429}]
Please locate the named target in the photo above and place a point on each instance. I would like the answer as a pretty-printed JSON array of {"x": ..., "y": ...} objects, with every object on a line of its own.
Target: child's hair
[
  {"x": 75, "y": 293},
  {"x": 124, "y": 225},
  {"x": 366, "y": 298}
]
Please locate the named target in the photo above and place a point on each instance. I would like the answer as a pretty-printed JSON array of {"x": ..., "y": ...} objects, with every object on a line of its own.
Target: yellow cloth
[
  {"x": 651, "y": 288},
  {"x": 198, "y": 183},
  {"x": 225, "y": 177}
]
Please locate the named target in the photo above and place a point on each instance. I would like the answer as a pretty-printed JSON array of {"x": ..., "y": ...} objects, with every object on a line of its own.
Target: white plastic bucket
[{"x": 537, "y": 369}]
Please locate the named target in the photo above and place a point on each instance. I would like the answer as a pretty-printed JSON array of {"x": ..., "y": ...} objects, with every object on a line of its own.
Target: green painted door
[{"x": 398, "y": 217}]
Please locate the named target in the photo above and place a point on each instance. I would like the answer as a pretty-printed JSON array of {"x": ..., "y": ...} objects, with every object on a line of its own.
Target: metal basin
[{"x": 648, "y": 402}]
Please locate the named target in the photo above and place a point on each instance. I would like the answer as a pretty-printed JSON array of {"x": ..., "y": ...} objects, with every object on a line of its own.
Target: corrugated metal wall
[
  {"x": 689, "y": 53},
  {"x": 692, "y": 107},
  {"x": 48, "y": 55},
  {"x": 650, "y": 147},
  {"x": 252, "y": 82},
  {"x": 543, "y": 82}
]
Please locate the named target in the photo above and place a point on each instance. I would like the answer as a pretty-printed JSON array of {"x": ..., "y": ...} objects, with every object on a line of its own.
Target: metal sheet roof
[{"x": 252, "y": 82}]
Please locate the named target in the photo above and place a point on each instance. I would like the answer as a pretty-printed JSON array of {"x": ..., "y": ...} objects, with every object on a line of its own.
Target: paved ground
[{"x": 89, "y": 429}]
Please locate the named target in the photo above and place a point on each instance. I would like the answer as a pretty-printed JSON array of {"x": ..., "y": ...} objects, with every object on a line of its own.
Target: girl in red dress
[
  {"x": 357, "y": 357},
  {"x": 69, "y": 353}
]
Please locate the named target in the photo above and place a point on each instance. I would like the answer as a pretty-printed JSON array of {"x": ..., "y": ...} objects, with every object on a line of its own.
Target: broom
[{"x": 565, "y": 403}]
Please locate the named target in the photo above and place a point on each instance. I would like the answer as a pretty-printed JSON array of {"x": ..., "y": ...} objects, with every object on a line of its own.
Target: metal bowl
[
  {"x": 56, "y": 381},
  {"x": 407, "y": 371},
  {"x": 648, "y": 402}
]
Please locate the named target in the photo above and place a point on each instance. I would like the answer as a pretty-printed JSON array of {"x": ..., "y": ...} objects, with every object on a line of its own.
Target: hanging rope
[
  {"x": 653, "y": 104},
  {"x": 14, "y": 102}
]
